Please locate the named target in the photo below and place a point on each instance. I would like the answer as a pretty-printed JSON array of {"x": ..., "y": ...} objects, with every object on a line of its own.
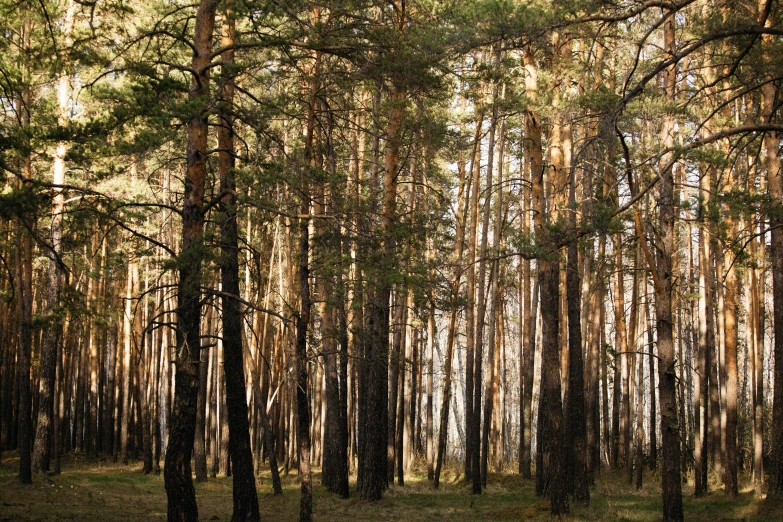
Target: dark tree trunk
[
  {"x": 302, "y": 396},
  {"x": 52, "y": 336},
  {"x": 550, "y": 413},
  {"x": 730, "y": 310},
  {"x": 398, "y": 352},
  {"x": 653, "y": 401},
  {"x": 394, "y": 384},
  {"x": 199, "y": 447},
  {"x": 303, "y": 414},
  {"x": 244, "y": 485},
  {"x": 706, "y": 338},
  {"x": 25, "y": 343},
  {"x": 533, "y": 151},
  {"x": 374, "y": 463},
  {"x": 775, "y": 213},
  {"x": 177, "y": 472},
  {"x": 670, "y": 474},
  {"x": 576, "y": 428},
  {"x": 342, "y": 433},
  {"x": 470, "y": 305}
]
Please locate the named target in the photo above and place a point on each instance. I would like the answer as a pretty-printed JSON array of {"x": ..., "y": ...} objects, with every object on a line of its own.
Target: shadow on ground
[{"x": 106, "y": 491}]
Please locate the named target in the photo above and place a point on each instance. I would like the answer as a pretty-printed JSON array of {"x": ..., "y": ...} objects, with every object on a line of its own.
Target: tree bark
[
  {"x": 177, "y": 473},
  {"x": 576, "y": 428},
  {"x": 730, "y": 401},
  {"x": 374, "y": 463},
  {"x": 244, "y": 492},
  {"x": 495, "y": 296},
  {"x": 534, "y": 152},
  {"x": 775, "y": 216},
  {"x": 670, "y": 474},
  {"x": 474, "y": 434},
  {"x": 52, "y": 337},
  {"x": 706, "y": 354},
  {"x": 470, "y": 305},
  {"x": 550, "y": 413}
]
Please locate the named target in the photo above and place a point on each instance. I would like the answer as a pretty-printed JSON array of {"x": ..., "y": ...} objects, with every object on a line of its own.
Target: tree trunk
[
  {"x": 374, "y": 464},
  {"x": 706, "y": 354},
  {"x": 430, "y": 444},
  {"x": 474, "y": 435},
  {"x": 303, "y": 413},
  {"x": 199, "y": 448},
  {"x": 470, "y": 305},
  {"x": 670, "y": 474},
  {"x": 177, "y": 473},
  {"x": 459, "y": 245},
  {"x": 594, "y": 356},
  {"x": 131, "y": 290},
  {"x": 25, "y": 343},
  {"x": 244, "y": 486},
  {"x": 775, "y": 216},
  {"x": 394, "y": 384},
  {"x": 550, "y": 414},
  {"x": 576, "y": 429},
  {"x": 495, "y": 296},
  {"x": 24, "y": 311},
  {"x": 730, "y": 401},
  {"x": 534, "y": 152},
  {"x": 54, "y": 274},
  {"x": 620, "y": 364}
]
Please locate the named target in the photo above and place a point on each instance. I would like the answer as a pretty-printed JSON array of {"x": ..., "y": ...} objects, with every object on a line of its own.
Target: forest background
[{"x": 371, "y": 236}]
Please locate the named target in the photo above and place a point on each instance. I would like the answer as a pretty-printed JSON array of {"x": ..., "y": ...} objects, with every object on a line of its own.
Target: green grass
[{"x": 107, "y": 491}]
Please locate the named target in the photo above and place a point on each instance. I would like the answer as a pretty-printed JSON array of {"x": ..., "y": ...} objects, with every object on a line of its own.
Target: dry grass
[{"x": 107, "y": 491}]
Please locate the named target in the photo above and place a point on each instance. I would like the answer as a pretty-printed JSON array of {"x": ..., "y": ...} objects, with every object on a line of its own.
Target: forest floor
[{"x": 107, "y": 491}]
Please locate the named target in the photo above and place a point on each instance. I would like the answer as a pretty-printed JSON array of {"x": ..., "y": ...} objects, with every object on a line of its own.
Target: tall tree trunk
[
  {"x": 495, "y": 296},
  {"x": 633, "y": 355},
  {"x": 534, "y": 152},
  {"x": 54, "y": 276},
  {"x": 594, "y": 356},
  {"x": 620, "y": 357},
  {"x": 177, "y": 473},
  {"x": 459, "y": 246},
  {"x": 474, "y": 434},
  {"x": 394, "y": 384},
  {"x": 550, "y": 416},
  {"x": 25, "y": 343},
  {"x": 430, "y": 444},
  {"x": 639, "y": 461},
  {"x": 343, "y": 455},
  {"x": 775, "y": 216},
  {"x": 706, "y": 356},
  {"x": 303, "y": 413},
  {"x": 756, "y": 320},
  {"x": 24, "y": 311},
  {"x": 127, "y": 354},
  {"x": 374, "y": 463},
  {"x": 670, "y": 474},
  {"x": 199, "y": 446},
  {"x": 576, "y": 428},
  {"x": 331, "y": 331},
  {"x": 730, "y": 400},
  {"x": 651, "y": 365},
  {"x": 470, "y": 305},
  {"x": 401, "y": 344},
  {"x": 244, "y": 486},
  {"x": 93, "y": 285}
]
